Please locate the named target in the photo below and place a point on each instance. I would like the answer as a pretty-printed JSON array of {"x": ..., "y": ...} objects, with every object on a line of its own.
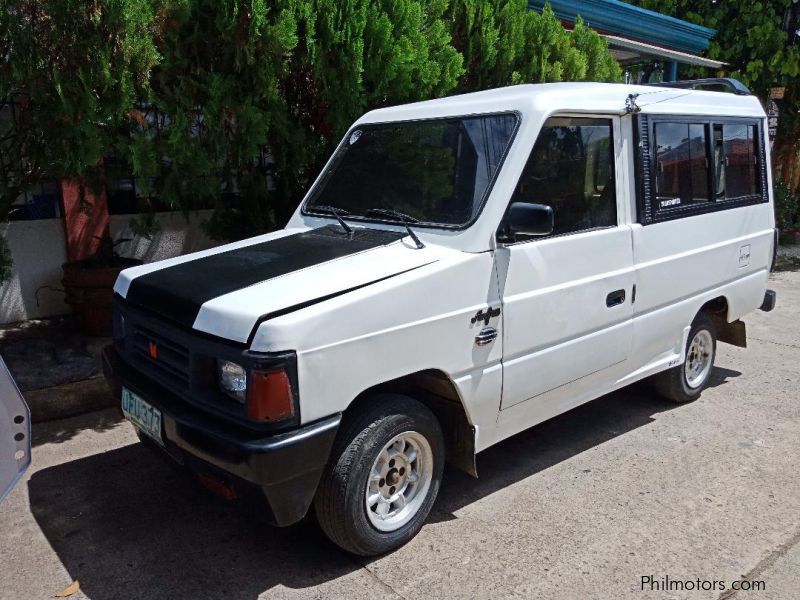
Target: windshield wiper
[
  {"x": 338, "y": 213},
  {"x": 398, "y": 216}
]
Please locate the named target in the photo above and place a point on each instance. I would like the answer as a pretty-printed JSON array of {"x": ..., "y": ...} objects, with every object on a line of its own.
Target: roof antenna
[{"x": 630, "y": 104}]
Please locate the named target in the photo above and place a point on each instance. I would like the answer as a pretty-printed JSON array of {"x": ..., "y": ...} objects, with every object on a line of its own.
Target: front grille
[
  {"x": 186, "y": 362},
  {"x": 181, "y": 361},
  {"x": 172, "y": 359}
]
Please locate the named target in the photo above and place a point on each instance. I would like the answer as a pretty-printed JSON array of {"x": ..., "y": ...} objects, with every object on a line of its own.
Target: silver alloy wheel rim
[
  {"x": 399, "y": 481},
  {"x": 698, "y": 359}
]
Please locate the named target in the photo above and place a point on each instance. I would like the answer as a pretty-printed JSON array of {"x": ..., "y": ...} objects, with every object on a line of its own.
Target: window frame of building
[
  {"x": 40, "y": 202},
  {"x": 646, "y": 168}
]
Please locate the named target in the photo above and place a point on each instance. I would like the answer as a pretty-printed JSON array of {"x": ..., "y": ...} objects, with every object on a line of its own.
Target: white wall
[
  {"x": 38, "y": 249},
  {"x": 174, "y": 237}
]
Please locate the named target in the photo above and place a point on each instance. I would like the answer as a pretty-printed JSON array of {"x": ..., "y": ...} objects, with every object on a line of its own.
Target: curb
[{"x": 69, "y": 399}]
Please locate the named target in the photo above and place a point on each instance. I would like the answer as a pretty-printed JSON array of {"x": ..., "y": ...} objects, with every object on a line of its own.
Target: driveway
[{"x": 582, "y": 506}]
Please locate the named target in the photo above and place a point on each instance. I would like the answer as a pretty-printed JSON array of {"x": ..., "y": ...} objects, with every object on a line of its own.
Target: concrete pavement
[{"x": 582, "y": 506}]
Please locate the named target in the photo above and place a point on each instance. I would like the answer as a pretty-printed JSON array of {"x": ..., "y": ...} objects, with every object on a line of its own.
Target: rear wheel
[
  {"x": 383, "y": 476},
  {"x": 685, "y": 382}
]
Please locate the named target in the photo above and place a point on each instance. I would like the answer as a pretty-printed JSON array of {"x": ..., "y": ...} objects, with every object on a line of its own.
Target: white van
[{"x": 461, "y": 270}]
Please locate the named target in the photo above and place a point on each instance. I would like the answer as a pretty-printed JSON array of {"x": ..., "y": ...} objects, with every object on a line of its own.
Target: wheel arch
[
  {"x": 436, "y": 390},
  {"x": 730, "y": 332},
  {"x": 716, "y": 307}
]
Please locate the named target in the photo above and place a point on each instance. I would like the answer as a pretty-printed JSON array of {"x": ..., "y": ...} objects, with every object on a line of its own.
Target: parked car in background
[
  {"x": 461, "y": 270},
  {"x": 15, "y": 432}
]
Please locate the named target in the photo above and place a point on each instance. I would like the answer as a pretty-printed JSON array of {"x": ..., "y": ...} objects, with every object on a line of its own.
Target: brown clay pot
[{"x": 90, "y": 292}]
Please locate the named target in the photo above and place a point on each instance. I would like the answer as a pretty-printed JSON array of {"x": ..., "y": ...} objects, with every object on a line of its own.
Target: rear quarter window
[
  {"x": 690, "y": 165},
  {"x": 681, "y": 163},
  {"x": 736, "y": 161}
]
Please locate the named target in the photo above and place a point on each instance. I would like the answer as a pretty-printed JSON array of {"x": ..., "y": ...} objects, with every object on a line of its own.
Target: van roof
[{"x": 575, "y": 97}]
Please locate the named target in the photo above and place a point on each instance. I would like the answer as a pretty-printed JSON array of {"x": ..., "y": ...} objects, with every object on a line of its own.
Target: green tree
[
  {"x": 214, "y": 98},
  {"x": 353, "y": 56},
  {"x": 750, "y": 38},
  {"x": 241, "y": 80},
  {"x": 504, "y": 43},
  {"x": 237, "y": 103},
  {"x": 69, "y": 72}
]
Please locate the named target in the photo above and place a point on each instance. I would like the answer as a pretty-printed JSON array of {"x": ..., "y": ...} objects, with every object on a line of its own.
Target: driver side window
[{"x": 571, "y": 169}]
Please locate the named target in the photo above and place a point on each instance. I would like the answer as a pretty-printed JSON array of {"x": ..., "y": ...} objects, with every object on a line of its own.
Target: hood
[{"x": 229, "y": 292}]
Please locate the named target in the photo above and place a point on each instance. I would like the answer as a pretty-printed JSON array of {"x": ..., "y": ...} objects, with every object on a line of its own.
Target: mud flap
[
  {"x": 15, "y": 432},
  {"x": 731, "y": 333},
  {"x": 459, "y": 434}
]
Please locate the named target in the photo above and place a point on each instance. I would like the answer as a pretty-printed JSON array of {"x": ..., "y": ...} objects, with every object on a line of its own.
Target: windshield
[{"x": 434, "y": 172}]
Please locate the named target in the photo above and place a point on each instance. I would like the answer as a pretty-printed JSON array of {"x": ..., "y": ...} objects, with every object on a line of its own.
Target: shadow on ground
[
  {"x": 128, "y": 526},
  {"x": 787, "y": 263},
  {"x": 62, "y": 430},
  {"x": 49, "y": 352}
]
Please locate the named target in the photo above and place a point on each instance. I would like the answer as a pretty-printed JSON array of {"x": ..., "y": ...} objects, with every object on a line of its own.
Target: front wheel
[
  {"x": 383, "y": 476},
  {"x": 685, "y": 382}
]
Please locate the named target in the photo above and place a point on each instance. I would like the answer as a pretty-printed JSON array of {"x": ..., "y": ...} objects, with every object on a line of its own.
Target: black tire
[
  {"x": 340, "y": 502},
  {"x": 673, "y": 384}
]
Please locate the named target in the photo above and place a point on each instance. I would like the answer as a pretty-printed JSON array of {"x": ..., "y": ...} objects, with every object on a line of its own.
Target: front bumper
[{"x": 284, "y": 468}]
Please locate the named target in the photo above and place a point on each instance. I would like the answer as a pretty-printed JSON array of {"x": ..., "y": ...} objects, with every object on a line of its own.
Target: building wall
[
  {"x": 174, "y": 237},
  {"x": 38, "y": 249}
]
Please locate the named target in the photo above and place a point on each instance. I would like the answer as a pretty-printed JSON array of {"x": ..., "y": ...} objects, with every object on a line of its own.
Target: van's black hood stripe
[{"x": 178, "y": 292}]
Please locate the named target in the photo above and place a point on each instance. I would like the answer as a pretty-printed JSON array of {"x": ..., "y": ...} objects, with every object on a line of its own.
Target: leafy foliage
[
  {"x": 69, "y": 72},
  {"x": 213, "y": 101},
  {"x": 787, "y": 208},
  {"x": 750, "y": 38},
  {"x": 504, "y": 43},
  {"x": 237, "y": 103}
]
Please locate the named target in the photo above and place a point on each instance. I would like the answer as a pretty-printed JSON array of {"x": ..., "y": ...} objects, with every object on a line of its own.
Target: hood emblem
[{"x": 153, "y": 349}]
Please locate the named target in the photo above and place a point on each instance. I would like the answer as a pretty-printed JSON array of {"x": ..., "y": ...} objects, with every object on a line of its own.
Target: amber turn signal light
[{"x": 269, "y": 396}]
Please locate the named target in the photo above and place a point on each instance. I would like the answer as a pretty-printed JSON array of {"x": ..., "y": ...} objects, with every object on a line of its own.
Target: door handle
[
  {"x": 486, "y": 336},
  {"x": 614, "y": 298}
]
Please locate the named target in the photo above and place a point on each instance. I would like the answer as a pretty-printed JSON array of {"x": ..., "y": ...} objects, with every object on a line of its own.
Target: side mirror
[{"x": 525, "y": 218}]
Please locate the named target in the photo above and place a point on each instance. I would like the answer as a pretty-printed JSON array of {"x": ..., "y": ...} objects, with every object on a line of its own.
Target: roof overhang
[
  {"x": 619, "y": 18},
  {"x": 631, "y": 51}
]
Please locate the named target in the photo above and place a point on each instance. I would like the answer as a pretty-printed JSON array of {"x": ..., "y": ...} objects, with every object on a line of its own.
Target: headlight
[{"x": 232, "y": 379}]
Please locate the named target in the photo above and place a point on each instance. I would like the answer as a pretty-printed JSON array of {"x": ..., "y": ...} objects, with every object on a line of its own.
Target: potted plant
[{"x": 89, "y": 285}]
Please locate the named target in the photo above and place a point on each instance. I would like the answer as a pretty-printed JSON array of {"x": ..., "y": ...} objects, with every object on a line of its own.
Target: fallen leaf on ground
[{"x": 69, "y": 590}]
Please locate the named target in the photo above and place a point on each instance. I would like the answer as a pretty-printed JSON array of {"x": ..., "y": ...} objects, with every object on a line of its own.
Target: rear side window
[
  {"x": 735, "y": 161},
  {"x": 694, "y": 165},
  {"x": 682, "y": 163},
  {"x": 571, "y": 168}
]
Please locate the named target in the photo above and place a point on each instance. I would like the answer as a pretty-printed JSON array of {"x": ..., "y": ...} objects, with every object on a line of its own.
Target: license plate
[{"x": 145, "y": 417}]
